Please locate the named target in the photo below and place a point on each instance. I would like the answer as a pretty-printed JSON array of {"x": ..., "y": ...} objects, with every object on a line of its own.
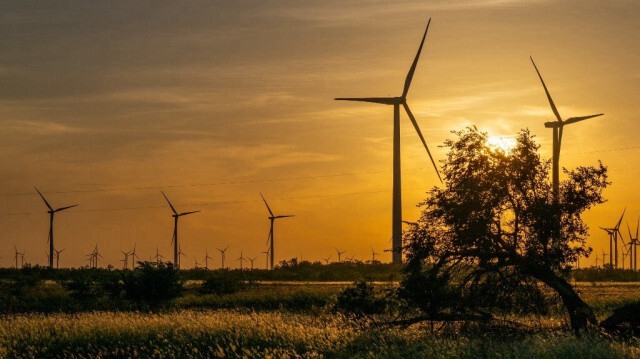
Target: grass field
[{"x": 265, "y": 323}]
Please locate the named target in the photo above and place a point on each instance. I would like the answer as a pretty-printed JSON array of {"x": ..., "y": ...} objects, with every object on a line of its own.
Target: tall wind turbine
[
  {"x": 222, "y": 253},
  {"x": 396, "y": 102},
  {"x": 613, "y": 241},
  {"x": 174, "y": 240},
  {"x": 339, "y": 254},
  {"x": 557, "y": 134},
  {"x": 51, "y": 212},
  {"x": 272, "y": 218},
  {"x": 125, "y": 260}
]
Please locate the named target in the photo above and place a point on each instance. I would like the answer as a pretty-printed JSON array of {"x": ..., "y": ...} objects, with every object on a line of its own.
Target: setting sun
[{"x": 502, "y": 143}]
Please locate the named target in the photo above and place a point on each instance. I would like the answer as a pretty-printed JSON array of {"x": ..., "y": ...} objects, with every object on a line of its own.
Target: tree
[{"x": 494, "y": 233}]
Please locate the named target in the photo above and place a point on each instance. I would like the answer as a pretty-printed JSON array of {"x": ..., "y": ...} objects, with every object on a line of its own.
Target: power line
[{"x": 212, "y": 203}]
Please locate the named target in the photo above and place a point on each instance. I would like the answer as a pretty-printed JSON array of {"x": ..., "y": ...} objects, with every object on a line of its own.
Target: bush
[
  {"x": 223, "y": 283},
  {"x": 153, "y": 284},
  {"x": 360, "y": 300}
]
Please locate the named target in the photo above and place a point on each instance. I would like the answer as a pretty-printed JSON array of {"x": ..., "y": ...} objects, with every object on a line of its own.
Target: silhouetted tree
[{"x": 494, "y": 231}]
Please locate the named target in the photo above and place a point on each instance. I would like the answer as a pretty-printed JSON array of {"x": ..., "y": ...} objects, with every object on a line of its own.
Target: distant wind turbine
[
  {"x": 125, "y": 260},
  {"x": 613, "y": 241},
  {"x": 633, "y": 247},
  {"x": 557, "y": 134},
  {"x": 326, "y": 260},
  {"x": 241, "y": 259},
  {"x": 396, "y": 102},
  {"x": 174, "y": 240},
  {"x": 180, "y": 254},
  {"x": 272, "y": 219},
  {"x": 51, "y": 213},
  {"x": 373, "y": 255},
  {"x": 133, "y": 257},
  {"x": 251, "y": 260},
  {"x": 206, "y": 259},
  {"x": 339, "y": 254},
  {"x": 267, "y": 260},
  {"x": 58, "y": 257},
  {"x": 17, "y": 254},
  {"x": 222, "y": 253}
]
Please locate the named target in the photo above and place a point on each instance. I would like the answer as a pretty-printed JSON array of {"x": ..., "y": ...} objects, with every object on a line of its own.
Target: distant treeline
[{"x": 605, "y": 275}]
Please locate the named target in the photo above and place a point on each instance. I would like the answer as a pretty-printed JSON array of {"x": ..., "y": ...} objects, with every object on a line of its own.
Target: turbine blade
[
  {"x": 285, "y": 216},
  {"x": 629, "y": 229},
  {"x": 619, "y": 221},
  {"x": 186, "y": 213},
  {"x": 637, "y": 228},
  {"x": 170, "y": 205},
  {"x": 578, "y": 119},
  {"x": 378, "y": 100},
  {"x": 45, "y": 201},
  {"x": 67, "y": 207},
  {"x": 560, "y": 130},
  {"x": 415, "y": 124},
  {"x": 266, "y": 204},
  {"x": 553, "y": 105},
  {"x": 407, "y": 81}
]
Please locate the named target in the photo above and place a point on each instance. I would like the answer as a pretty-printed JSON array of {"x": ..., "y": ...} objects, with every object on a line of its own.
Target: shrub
[
  {"x": 153, "y": 284},
  {"x": 360, "y": 300}
]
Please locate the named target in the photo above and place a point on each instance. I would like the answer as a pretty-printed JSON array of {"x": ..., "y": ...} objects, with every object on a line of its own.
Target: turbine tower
[
  {"x": 133, "y": 257},
  {"x": 272, "y": 218},
  {"x": 557, "y": 134},
  {"x": 266, "y": 253},
  {"x": 174, "y": 240},
  {"x": 613, "y": 242},
  {"x": 396, "y": 102},
  {"x": 51, "y": 212}
]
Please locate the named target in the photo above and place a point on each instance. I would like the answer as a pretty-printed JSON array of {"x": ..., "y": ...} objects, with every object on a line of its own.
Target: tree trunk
[{"x": 580, "y": 314}]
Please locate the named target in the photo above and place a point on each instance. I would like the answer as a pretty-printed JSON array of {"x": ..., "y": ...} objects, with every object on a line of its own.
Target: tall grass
[{"x": 197, "y": 334}]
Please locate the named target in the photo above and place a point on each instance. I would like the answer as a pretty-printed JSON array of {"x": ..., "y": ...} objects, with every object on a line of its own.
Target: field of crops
[{"x": 282, "y": 333}]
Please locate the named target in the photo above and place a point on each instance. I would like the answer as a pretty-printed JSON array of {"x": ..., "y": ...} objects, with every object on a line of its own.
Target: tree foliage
[{"x": 495, "y": 231}]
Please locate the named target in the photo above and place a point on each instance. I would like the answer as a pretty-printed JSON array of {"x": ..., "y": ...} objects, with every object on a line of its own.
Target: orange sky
[{"x": 104, "y": 104}]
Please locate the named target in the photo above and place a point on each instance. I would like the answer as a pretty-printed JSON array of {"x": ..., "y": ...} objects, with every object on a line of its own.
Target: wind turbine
[
  {"x": 396, "y": 102},
  {"x": 241, "y": 259},
  {"x": 613, "y": 241},
  {"x": 58, "y": 257},
  {"x": 633, "y": 247},
  {"x": 339, "y": 254},
  {"x": 51, "y": 212},
  {"x": 158, "y": 256},
  {"x": 326, "y": 260},
  {"x": 133, "y": 257},
  {"x": 272, "y": 218},
  {"x": 206, "y": 259},
  {"x": 17, "y": 254},
  {"x": 604, "y": 256},
  {"x": 251, "y": 260},
  {"x": 222, "y": 253},
  {"x": 125, "y": 261},
  {"x": 373, "y": 254},
  {"x": 557, "y": 135},
  {"x": 174, "y": 240}
]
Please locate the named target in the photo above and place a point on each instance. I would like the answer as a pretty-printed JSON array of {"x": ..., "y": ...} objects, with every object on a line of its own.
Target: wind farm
[{"x": 470, "y": 230}]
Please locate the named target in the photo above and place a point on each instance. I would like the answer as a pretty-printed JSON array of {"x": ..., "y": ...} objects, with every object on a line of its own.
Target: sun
[{"x": 505, "y": 144}]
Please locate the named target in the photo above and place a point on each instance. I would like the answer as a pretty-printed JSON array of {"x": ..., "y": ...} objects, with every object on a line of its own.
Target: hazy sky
[{"x": 106, "y": 103}]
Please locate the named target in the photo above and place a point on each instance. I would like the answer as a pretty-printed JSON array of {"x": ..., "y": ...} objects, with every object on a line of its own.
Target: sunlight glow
[{"x": 501, "y": 143}]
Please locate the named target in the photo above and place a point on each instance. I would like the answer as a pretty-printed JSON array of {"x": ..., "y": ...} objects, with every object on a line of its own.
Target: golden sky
[{"x": 106, "y": 103}]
